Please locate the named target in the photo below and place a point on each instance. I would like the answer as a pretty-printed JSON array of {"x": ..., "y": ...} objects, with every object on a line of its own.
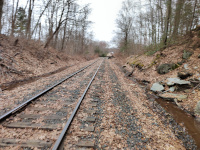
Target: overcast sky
[
  {"x": 104, "y": 13},
  {"x": 103, "y": 16}
]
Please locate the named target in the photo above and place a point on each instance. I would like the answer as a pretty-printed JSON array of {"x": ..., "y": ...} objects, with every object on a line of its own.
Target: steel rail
[
  {"x": 69, "y": 121},
  {"x": 19, "y": 107}
]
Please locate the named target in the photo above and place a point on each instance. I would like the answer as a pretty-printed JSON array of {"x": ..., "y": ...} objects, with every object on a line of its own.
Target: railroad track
[{"x": 40, "y": 122}]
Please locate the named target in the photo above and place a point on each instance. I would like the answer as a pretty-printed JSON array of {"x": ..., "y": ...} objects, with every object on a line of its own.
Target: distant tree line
[
  {"x": 61, "y": 24},
  {"x": 154, "y": 23}
]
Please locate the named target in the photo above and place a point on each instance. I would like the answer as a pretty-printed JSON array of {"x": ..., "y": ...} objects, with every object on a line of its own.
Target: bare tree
[
  {"x": 14, "y": 15},
  {"x": 124, "y": 22},
  {"x": 177, "y": 18},
  {"x": 30, "y": 10},
  {"x": 1, "y": 12},
  {"x": 61, "y": 21},
  {"x": 165, "y": 35}
]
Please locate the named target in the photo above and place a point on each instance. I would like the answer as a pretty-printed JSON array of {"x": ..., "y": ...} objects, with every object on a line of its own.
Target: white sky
[{"x": 104, "y": 14}]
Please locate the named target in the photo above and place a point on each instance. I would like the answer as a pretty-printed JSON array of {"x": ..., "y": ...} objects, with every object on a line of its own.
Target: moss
[
  {"x": 140, "y": 65},
  {"x": 137, "y": 63},
  {"x": 155, "y": 61}
]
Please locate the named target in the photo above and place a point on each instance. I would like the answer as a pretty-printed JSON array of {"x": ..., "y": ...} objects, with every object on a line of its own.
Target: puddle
[{"x": 181, "y": 117}]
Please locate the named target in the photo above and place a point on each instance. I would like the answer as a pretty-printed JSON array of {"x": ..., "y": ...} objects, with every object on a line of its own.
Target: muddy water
[{"x": 190, "y": 123}]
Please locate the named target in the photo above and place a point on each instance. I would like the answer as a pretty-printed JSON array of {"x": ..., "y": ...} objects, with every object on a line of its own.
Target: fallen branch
[
  {"x": 195, "y": 87},
  {"x": 12, "y": 70}
]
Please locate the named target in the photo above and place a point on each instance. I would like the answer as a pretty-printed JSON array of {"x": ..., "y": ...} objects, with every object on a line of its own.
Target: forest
[
  {"x": 64, "y": 25},
  {"x": 155, "y": 24}
]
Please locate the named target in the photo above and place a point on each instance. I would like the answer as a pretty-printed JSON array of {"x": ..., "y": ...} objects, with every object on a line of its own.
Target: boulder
[
  {"x": 197, "y": 108},
  {"x": 157, "y": 87},
  {"x": 172, "y": 81},
  {"x": 187, "y": 54},
  {"x": 165, "y": 68},
  {"x": 171, "y": 96}
]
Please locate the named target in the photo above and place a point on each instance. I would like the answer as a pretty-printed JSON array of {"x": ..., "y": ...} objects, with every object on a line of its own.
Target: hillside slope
[
  {"x": 177, "y": 61},
  {"x": 21, "y": 58}
]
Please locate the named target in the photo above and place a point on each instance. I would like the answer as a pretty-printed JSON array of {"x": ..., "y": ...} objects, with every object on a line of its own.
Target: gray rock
[
  {"x": 165, "y": 68},
  {"x": 197, "y": 108},
  {"x": 156, "y": 87},
  {"x": 184, "y": 74},
  {"x": 170, "y": 96},
  {"x": 186, "y": 66},
  {"x": 187, "y": 54},
  {"x": 172, "y": 81},
  {"x": 172, "y": 89}
]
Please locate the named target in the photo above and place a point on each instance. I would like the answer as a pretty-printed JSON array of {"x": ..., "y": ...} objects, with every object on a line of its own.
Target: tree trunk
[
  {"x": 1, "y": 12},
  {"x": 179, "y": 6},
  {"x": 194, "y": 10},
  {"x": 30, "y": 10},
  {"x": 64, "y": 36},
  {"x": 41, "y": 16},
  {"x": 14, "y": 14},
  {"x": 167, "y": 23}
]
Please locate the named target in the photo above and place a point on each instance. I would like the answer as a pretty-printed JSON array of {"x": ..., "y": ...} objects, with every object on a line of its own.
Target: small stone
[
  {"x": 186, "y": 66},
  {"x": 156, "y": 87},
  {"x": 85, "y": 143},
  {"x": 195, "y": 67},
  {"x": 172, "y": 89}
]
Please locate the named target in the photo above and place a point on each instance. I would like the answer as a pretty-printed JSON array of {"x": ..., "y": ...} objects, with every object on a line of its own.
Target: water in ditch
[{"x": 189, "y": 122}]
